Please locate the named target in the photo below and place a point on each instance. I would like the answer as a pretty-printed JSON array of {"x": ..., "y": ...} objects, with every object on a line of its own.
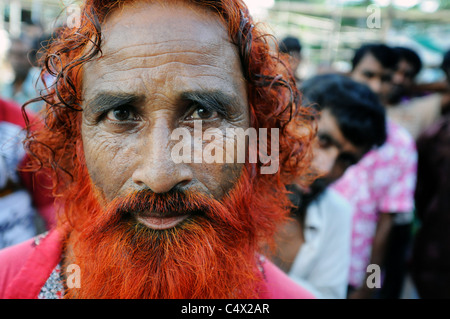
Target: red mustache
[
  {"x": 164, "y": 205},
  {"x": 170, "y": 204}
]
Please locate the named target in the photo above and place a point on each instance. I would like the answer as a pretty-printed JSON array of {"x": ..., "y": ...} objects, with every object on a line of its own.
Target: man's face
[
  {"x": 372, "y": 73},
  {"x": 333, "y": 153},
  {"x": 155, "y": 59},
  {"x": 402, "y": 81},
  {"x": 295, "y": 59},
  {"x": 404, "y": 75},
  {"x": 18, "y": 57}
]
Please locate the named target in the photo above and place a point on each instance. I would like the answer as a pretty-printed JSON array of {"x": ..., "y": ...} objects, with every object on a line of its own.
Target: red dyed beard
[{"x": 213, "y": 254}]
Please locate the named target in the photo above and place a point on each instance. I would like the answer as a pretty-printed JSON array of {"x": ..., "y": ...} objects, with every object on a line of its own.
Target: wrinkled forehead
[
  {"x": 166, "y": 27},
  {"x": 152, "y": 35}
]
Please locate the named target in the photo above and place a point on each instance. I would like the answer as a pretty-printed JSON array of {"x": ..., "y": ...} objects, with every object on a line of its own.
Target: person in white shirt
[
  {"x": 321, "y": 265},
  {"x": 313, "y": 247}
]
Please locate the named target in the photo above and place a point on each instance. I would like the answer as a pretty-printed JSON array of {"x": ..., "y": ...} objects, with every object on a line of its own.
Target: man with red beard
[{"x": 134, "y": 223}]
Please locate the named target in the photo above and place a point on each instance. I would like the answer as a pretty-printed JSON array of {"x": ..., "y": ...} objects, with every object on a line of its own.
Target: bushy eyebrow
[
  {"x": 218, "y": 101},
  {"x": 224, "y": 104},
  {"x": 105, "y": 101}
]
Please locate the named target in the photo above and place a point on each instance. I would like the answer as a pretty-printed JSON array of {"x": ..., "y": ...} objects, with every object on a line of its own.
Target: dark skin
[
  {"x": 404, "y": 76},
  {"x": 149, "y": 83},
  {"x": 333, "y": 154},
  {"x": 372, "y": 73}
]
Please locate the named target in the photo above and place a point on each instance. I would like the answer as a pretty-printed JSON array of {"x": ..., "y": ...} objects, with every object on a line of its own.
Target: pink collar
[{"x": 38, "y": 267}]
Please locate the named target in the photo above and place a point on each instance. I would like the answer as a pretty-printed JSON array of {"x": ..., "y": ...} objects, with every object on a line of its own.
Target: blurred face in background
[
  {"x": 372, "y": 73},
  {"x": 333, "y": 152},
  {"x": 294, "y": 61},
  {"x": 404, "y": 75},
  {"x": 18, "y": 57},
  {"x": 402, "y": 81}
]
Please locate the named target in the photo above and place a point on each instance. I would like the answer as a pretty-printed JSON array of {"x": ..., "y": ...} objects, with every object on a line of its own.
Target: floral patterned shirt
[{"x": 383, "y": 181}]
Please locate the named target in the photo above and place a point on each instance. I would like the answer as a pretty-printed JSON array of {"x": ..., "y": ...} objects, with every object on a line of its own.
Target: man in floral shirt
[{"x": 381, "y": 186}]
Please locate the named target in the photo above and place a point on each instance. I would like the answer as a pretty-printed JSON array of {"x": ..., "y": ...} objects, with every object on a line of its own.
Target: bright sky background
[
  {"x": 424, "y": 5},
  {"x": 257, "y": 7}
]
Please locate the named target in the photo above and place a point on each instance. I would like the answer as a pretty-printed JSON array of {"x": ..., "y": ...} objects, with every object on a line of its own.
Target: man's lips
[{"x": 161, "y": 222}]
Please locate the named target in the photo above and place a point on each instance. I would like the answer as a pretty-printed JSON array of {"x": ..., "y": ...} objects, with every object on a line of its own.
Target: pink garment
[
  {"x": 37, "y": 186},
  {"x": 25, "y": 268},
  {"x": 383, "y": 181},
  {"x": 280, "y": 286}
]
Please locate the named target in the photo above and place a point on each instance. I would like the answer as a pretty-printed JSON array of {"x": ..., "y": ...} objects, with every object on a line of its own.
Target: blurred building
[
  {"x": 330, "y": 30},
  {"x": 30, "y": 17}
]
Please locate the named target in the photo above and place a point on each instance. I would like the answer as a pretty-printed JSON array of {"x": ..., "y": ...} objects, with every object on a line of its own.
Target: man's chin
[
  {"x": 212, "y": 253},
  {"x": 133, "y": 258},
  {"x": 395, "y": 96}
]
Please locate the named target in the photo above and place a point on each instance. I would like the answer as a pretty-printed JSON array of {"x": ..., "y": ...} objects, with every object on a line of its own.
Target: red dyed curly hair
[{"x": 274, "y": 102}]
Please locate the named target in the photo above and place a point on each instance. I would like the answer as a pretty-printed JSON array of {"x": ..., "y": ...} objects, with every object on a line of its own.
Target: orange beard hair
[{"x": 213, "y": 255}]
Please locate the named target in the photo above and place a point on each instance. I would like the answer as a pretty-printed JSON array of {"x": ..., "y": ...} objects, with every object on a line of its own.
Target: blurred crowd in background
[{"x": 394, "y": 184}]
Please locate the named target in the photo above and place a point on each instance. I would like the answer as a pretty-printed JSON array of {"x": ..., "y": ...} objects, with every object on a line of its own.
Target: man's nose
[
  {"x": 398, "y": 78},
  {"x": 157, "y": 170},
  {"x": 375, "y": 86}
]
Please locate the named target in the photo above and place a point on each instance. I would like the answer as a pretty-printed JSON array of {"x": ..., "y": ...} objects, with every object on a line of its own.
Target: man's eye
[
  {"x": 120, "y": 114},
  {"x": 368, "y": 75},
  {"x": 324, "y": 141},
  {"x": 202, "y": 113}
]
